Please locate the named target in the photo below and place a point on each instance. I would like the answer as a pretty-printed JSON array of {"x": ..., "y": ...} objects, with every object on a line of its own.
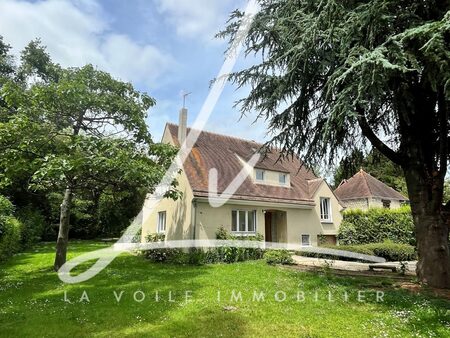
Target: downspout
[{"x": 194, "y": 204}]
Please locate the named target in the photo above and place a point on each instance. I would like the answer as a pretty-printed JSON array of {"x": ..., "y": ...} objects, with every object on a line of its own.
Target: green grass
[{"x": 32, "y": 302}]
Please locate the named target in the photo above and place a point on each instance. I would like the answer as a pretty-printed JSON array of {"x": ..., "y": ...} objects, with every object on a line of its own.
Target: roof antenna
[{"x": 184, "y": 94}]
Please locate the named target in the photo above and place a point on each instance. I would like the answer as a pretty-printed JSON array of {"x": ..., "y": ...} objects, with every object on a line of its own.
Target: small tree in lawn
[
  {"x": 97, "y": 135},
  {"x": 333, "y": 75}
]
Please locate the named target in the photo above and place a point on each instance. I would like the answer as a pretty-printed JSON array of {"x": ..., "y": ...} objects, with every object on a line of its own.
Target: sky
[{"x": 163, "y": 47}]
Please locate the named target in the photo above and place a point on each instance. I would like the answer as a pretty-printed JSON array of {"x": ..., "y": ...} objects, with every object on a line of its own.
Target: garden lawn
[{"x": 32, "y": 301}]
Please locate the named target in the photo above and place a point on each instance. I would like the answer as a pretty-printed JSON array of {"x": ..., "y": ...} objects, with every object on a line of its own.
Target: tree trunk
[
  {"x": 431, "y": 227},
  {"x": 63, "y": 233}
]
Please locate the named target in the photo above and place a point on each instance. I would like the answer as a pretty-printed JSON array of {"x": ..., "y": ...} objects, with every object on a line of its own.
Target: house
[
  {"x": 363, "y": 191},
  {"x": 280, "y": 199}
]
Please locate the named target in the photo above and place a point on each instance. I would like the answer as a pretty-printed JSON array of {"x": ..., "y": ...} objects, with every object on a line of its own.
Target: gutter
[{"x": 261, "y": 203}]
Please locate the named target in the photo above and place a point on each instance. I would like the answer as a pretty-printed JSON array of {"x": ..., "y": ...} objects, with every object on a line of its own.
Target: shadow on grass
[
  {"x": 422, "y": 312},
  {"x": 31, "y": 293},
  {"x": 32, "y": 301}
]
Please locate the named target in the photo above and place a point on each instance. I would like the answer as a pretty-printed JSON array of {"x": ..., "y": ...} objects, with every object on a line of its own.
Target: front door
[{"x": 268, "y": 226}]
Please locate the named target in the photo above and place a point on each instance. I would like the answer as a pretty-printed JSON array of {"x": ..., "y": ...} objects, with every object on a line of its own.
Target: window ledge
[
  {"x": 271, "y": 184},
  {"x": 243, "y": 233},
  {"x": 326, "y": 222}
]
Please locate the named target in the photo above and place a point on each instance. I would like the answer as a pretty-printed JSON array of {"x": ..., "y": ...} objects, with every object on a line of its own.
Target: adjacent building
[{"x": 363, "y": 191}]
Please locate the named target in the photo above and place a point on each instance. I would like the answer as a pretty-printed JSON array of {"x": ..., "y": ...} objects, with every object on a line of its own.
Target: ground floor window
[
  {"x": 162, "y": 221},
  {"x": 243, "y": 221},
  {"x": 306, "y": 240}
]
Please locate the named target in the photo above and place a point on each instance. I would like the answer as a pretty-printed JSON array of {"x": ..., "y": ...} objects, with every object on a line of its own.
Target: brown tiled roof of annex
[
  {"x": 218, "y": 151},
  {"x": 363, "y": 185}
]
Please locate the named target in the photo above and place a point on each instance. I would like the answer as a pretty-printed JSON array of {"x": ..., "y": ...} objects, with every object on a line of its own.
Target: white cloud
[
  {"x": 194, "y": 18},
  {"x": 77, "y": 33}
]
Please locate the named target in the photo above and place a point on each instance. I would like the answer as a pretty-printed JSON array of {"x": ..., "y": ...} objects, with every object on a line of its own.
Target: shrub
[
  {"x": 362, "y": 249},
  {"x": 162, "y": 254},
  {"x": 388, "y": 250},
  {"x": 234, "y": 254},
  {"x": 394, "y": 251},
  {"x": 10, "y": 230},
  {"x": 10, "y": 237},
  {"x": 197, "y": 256},
  {"x": 33, "y": 225},
  {"x": 377, "y": 225},
  {"x": 273, "y": 257},
  {"x": 222, "y": 233},
  {"x": 6, "y": 207}
]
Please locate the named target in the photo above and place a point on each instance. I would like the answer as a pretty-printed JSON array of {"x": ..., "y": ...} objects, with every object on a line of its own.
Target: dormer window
[
  {"x": 259, "y": 174},
  {"x": 282, "y": 178}
]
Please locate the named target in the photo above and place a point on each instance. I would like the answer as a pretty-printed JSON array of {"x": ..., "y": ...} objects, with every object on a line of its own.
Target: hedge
[
  {"x": 377, "y": 225},
  {"x": 196, "y": 256},
  {"x": 388, "y": 250},
  {"x": 273, "y": 257}
]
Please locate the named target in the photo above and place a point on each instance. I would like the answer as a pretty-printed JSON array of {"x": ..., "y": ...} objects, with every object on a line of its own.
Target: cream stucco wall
[
  {"x": 272, "y": 178},
  {"x": 178, "y": 213},
  {"x": 302, "y": 222},
  {"x": 209, "y": 219},
  {"x": 290, "y": 223}
]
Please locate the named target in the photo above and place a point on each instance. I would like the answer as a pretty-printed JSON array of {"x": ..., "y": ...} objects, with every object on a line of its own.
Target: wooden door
[{"x": 268, "y": 226}]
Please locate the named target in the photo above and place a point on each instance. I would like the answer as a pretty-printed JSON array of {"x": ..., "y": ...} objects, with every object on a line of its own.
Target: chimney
[{"x": 182, "y": 126}]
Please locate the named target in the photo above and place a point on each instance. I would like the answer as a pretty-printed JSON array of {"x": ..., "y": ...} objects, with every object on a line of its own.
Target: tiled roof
[
  {"x": 363, "y": 185},
  {"x": 222, "y": 152}
]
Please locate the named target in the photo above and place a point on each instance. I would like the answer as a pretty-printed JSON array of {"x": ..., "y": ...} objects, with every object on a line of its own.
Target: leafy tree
[
  {"x": 6, "y": 65},
  {"x": 335, "y": 75},
  {"x": 349, "y": 166},
  {"x": 375, "y": 163},
  {"x": 6, "y": 60},
  {"x": 88, "y": 133},
  {"x": 447, "y": 191}
]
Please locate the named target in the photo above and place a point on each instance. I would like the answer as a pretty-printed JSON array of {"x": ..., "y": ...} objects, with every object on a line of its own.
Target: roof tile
[
  {"x": 363, "y": 185},
  {"x": 221, "y": 152}
]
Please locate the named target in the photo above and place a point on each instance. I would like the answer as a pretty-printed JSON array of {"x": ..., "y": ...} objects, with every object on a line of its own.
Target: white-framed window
[
  {"x": 325, "y": 209},
  {"x": 282, "y": 178},
  {"x": 243, "y": 221},
  {"x": 259, "y": 174},
  {"x": 161, "y": 222},
  {"x": 306, "y": 240}
]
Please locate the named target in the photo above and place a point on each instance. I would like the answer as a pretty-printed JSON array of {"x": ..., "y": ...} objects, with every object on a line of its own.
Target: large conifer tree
[{"x": 336, "y": 74}]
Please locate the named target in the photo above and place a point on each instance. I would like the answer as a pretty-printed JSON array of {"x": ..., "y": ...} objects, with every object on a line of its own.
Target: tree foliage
[
  {"x": 78, "y": 131},
  {"x": 332, "y": 76},
  {"x": 329, "y": 66}
]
